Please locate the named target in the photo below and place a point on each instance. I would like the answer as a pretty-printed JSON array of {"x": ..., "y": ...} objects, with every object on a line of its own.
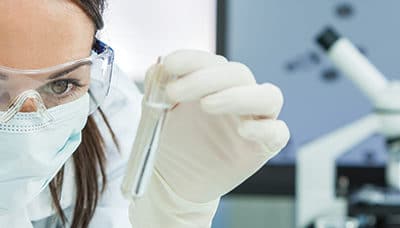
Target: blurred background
[{"x": 277, "y": 40}]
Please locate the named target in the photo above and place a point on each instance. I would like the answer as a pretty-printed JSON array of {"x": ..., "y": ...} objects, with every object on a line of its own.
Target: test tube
[{"x": 155, "y": 105}]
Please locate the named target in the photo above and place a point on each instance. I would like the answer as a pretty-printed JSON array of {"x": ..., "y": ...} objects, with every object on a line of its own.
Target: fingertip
[
  {"x": 274, "y": 134},
  {"x": 284, "y": 133},
  {"x": 276, "y": 93}
]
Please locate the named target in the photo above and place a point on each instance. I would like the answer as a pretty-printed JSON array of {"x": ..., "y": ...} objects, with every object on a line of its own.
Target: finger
[
  {"x": 209, "y": 80},
  {"x": 187, "y": 61},
  {"x": 261, "y": 100},
  {"x": 273, "y": 133}
]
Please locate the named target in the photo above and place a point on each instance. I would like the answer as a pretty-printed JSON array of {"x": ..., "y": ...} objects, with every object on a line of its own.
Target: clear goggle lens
[{"x": 60, "y": 84}]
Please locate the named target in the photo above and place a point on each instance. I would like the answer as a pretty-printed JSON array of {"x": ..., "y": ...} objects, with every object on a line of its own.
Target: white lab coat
[{"x": 122, "y": 107}]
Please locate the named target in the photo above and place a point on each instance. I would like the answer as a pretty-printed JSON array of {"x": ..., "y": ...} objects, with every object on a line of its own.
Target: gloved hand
[{"x": 222, "y": 130}]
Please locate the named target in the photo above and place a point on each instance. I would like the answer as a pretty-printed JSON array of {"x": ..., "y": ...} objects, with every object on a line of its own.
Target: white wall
[{"x": 140, "y": 31}]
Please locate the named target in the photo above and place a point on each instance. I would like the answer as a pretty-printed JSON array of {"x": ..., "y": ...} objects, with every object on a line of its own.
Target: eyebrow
[{"x": 67, "y": 71}]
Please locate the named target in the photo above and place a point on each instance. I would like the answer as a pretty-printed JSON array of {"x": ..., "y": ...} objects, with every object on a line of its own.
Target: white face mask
[{"x": 33, "y": 151}]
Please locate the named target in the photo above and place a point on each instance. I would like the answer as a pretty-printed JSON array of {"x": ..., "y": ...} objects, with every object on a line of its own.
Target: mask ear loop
[{"x": 17, "y": 103}]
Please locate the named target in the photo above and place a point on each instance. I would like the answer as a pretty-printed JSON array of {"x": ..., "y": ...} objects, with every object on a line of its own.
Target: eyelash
[{"x": 74, "y": 82}]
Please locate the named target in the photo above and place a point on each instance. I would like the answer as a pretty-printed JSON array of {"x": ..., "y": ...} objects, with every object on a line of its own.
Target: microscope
[{"x": 316, "y": 193}]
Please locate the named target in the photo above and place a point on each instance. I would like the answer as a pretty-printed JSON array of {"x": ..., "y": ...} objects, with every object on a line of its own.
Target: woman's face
[{"x": 42, "y": 33}]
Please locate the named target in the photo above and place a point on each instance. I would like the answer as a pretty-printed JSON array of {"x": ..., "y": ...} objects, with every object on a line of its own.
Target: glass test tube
[{"x": 155, "y": 105}]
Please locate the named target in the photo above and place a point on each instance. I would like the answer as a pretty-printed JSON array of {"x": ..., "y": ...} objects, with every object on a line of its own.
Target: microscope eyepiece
[{"x": 327, "y": 38}]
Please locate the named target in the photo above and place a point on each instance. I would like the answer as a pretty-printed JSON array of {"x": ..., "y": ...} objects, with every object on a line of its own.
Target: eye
[{"x": 61, "y": 86}]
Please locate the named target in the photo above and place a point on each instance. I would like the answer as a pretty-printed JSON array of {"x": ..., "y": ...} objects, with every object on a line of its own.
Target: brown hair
[{"x": 90, "y": 157}]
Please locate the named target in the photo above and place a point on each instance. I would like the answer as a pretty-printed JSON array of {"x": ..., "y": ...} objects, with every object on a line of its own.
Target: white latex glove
[{"x": 222, "y": 131}]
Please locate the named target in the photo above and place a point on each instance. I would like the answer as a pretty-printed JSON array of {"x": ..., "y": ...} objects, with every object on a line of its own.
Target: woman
[{"x": 62, "y": 160}]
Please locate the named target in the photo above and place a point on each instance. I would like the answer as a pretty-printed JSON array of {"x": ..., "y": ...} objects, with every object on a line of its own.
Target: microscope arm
[{"x": 315, "y": 170}]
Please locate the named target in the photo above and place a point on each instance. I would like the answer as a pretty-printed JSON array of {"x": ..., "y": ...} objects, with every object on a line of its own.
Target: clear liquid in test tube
[{"x": 155, "y": 106}]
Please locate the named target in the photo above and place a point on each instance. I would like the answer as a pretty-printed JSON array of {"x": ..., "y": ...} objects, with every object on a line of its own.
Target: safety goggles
[{"x": 46, "y": 88}]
